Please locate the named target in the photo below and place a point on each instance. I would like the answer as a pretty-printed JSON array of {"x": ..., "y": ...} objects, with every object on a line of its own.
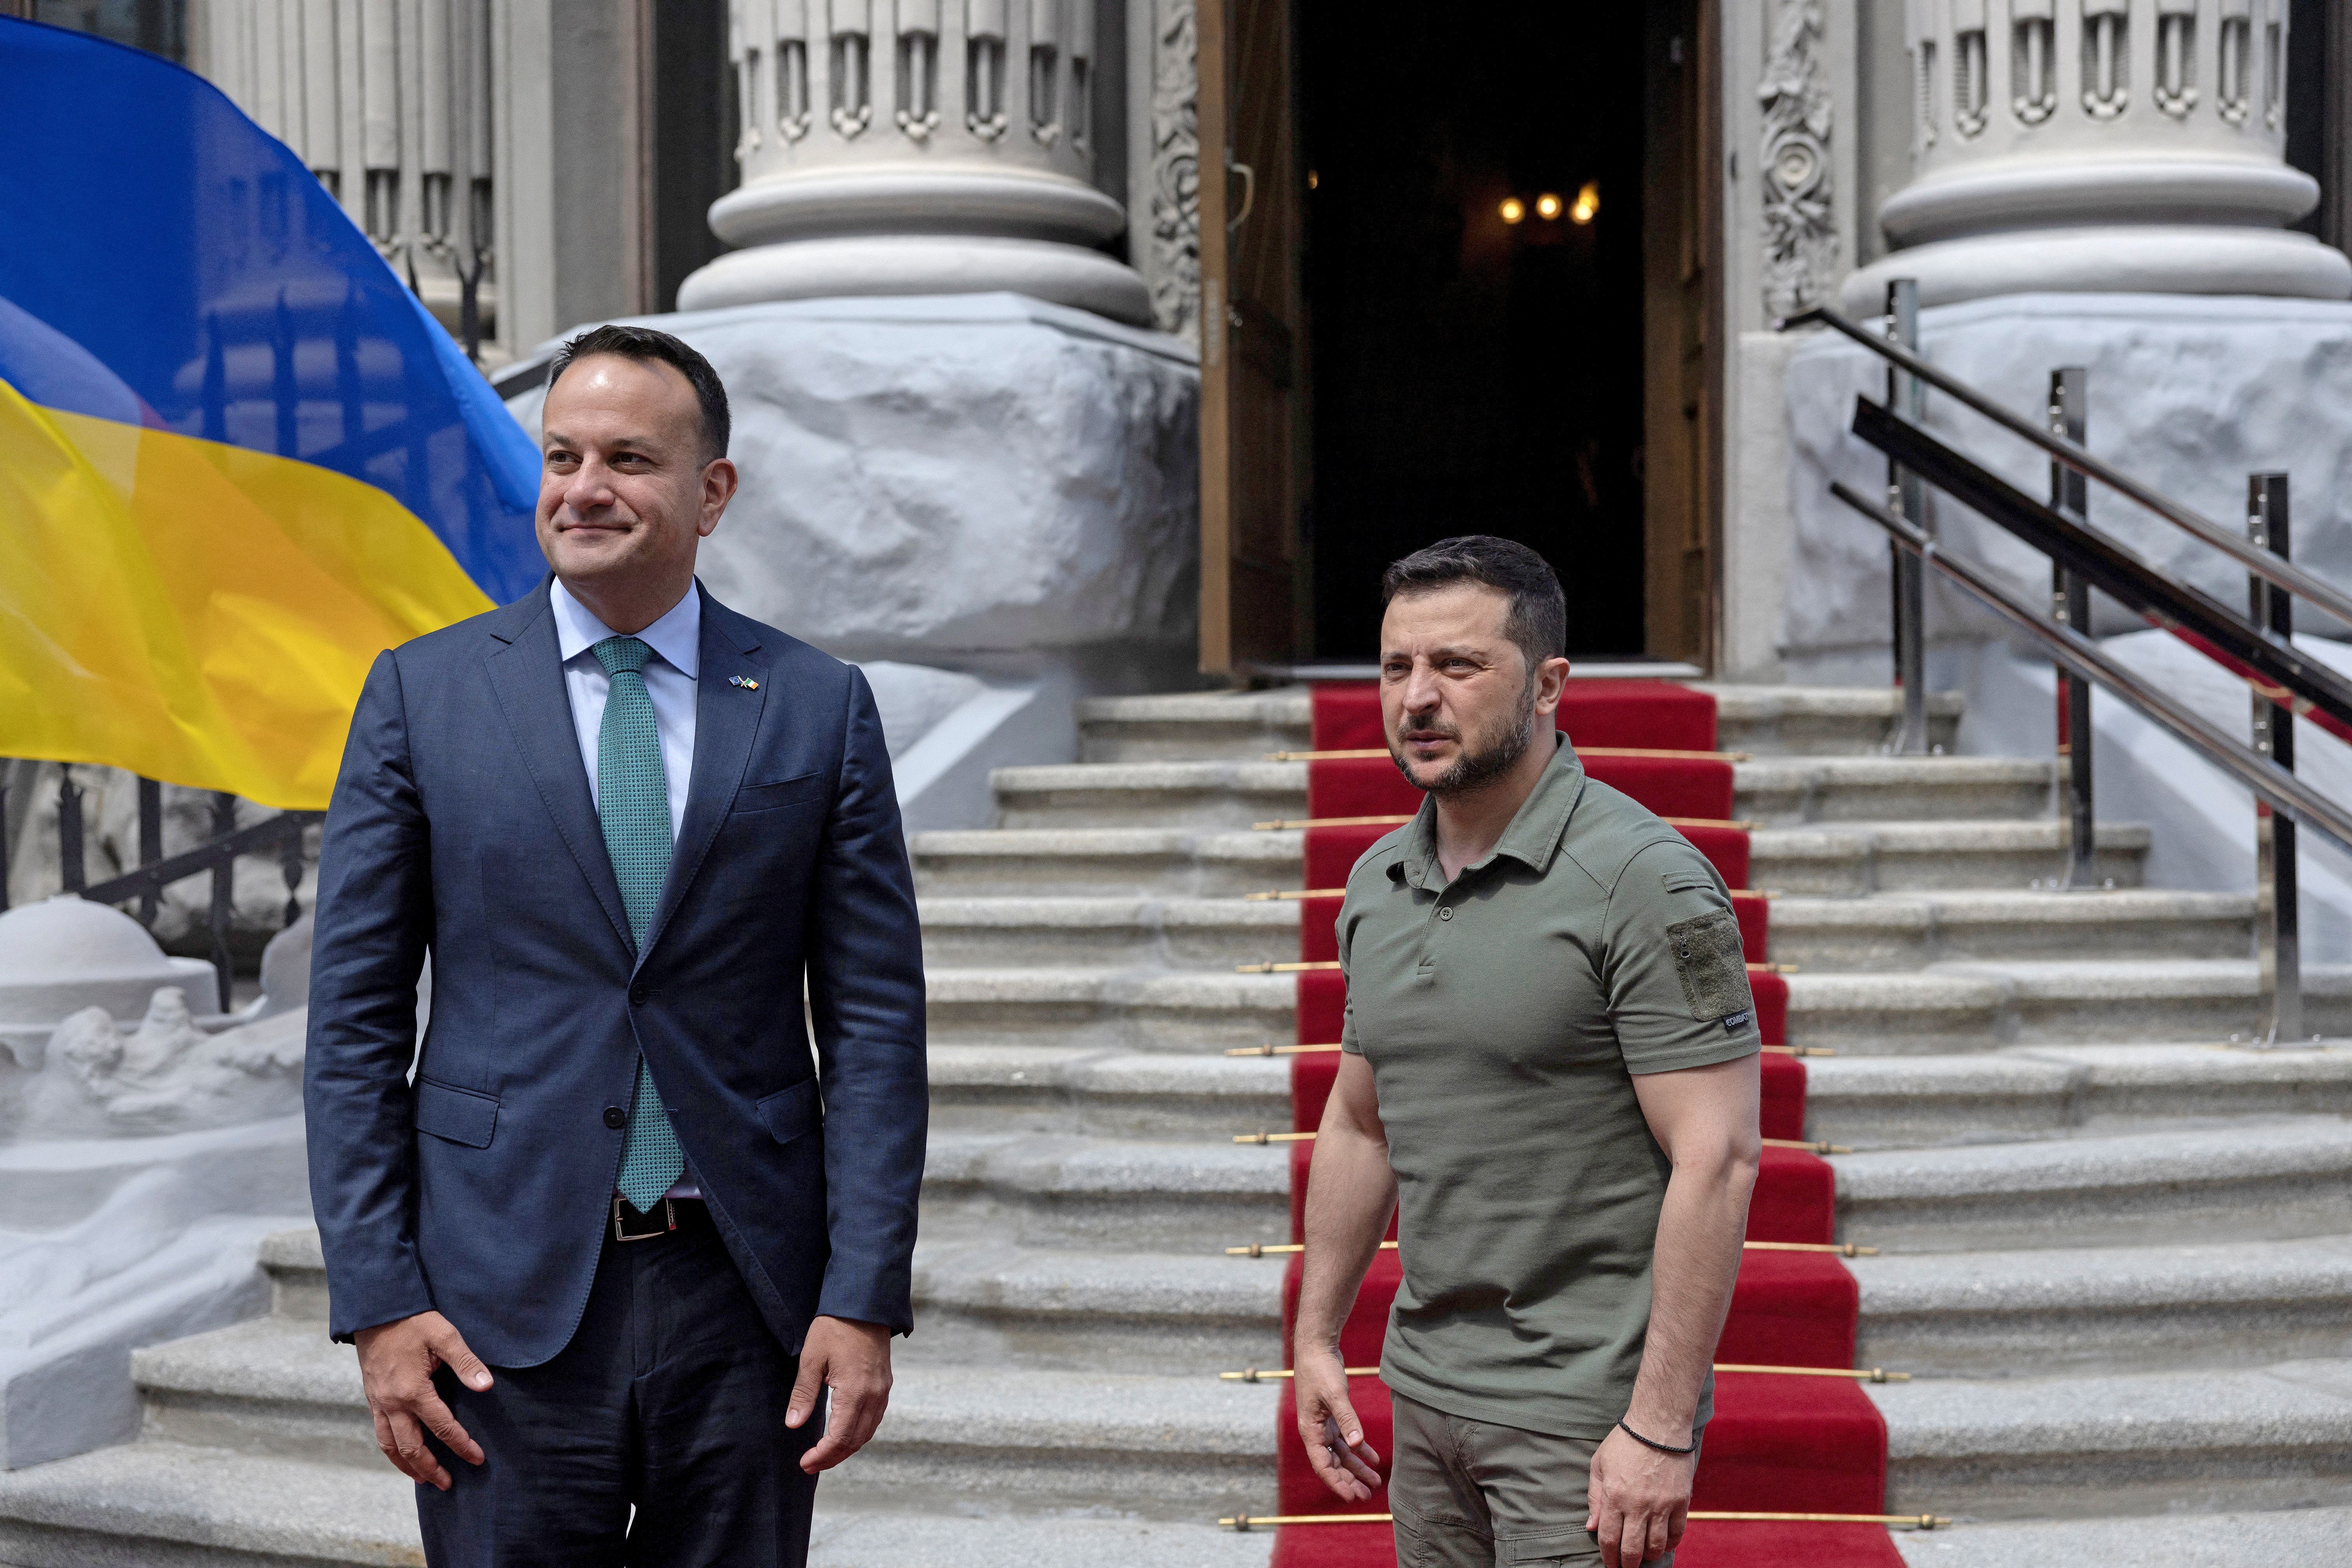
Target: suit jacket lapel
[
  {"x": 528, "y": 676},
  {"x": 725, "y": 718}
]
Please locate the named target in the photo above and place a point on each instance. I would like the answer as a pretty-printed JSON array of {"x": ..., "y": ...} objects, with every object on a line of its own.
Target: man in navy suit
[{"x": 622, "y": 1261}]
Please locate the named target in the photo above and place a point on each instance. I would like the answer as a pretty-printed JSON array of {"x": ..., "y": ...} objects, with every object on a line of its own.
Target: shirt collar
[
  {"x": 676, "y": 636},
  {"x": 1531, "y": 838}
]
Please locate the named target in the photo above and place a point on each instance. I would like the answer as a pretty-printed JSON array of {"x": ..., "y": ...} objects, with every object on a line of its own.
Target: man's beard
[{"x": 1478, "y": 764}]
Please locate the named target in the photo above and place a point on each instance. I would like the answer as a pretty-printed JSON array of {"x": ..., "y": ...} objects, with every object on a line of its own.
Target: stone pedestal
[
  {"x": 2099, "y": 145},
  {"x": 922, "y": 147}
]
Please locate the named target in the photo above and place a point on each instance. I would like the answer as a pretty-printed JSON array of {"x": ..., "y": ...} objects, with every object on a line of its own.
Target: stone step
[
  {"x": 1104, "y": 1093},
  {"x": 1775, "y": 791},
  {"x": 1785, "y": 792},
  {"x": 1122, "y": 1009},
  {"x": 2162, "y": 1541},
  {"x": 297, "y": 1273},
  {"x": 843, "y": 1539},
  {"x": 271, "y": 1386},
  {"x": 1192, "y": 1313},
  {"x": 1123, "y": 1195},
  {"x": 1804, "y": 721},
  {"x": 1095, "y": 862},
  {"x": 2106, "y": 1308},
  {"x": 1872, "y": 1102},
  {"x": 165, "y": 1505},
  {"x": 1822, "y": 721},
  {"x": 2152, "y": 1442},
  {"x": 1851, "y": 857},
  {"x": 1178, "y": 1448},
  {"x": 2245, "y": 1181},
  {"x": 1177, "y": 933},
  {"x": 1877, "y": 932},
  {"x": 1194, "y": 726},
  {"x": 1172, "y": 1447},
  {"x": 1906, "y": 930},
  {"x": 1968, "y": 1006},
  {"x": 1196, "y": 795}
]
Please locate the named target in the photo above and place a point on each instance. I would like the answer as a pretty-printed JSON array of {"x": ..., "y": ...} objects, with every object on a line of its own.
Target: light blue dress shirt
[{"x": 676, "y": 642}]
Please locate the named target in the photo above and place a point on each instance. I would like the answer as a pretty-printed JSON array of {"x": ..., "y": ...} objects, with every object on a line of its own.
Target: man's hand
[
  {"x": 396, "y": 1363},
  {"x": 853, "y": 1360},
  {"x": 1639, "y": 1503},
  {"x": 1327, "y": 1425}
]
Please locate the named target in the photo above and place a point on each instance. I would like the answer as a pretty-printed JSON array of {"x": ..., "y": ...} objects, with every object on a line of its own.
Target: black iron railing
[{"x": 280, "y": 836}]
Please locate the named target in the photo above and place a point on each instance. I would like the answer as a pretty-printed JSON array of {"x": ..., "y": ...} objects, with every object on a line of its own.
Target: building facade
[{"x": 1536, "y": 296}]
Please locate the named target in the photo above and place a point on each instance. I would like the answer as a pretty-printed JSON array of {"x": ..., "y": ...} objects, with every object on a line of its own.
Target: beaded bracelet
[{"x": 1661, "y": 1447}]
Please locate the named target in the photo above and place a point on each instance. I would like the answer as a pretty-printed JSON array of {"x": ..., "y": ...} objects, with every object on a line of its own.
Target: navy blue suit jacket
[{"x": 462, "y": 822}]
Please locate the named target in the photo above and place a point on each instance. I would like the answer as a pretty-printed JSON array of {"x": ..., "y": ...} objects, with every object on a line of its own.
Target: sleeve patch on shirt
[{"x": 1709, "y": 959}]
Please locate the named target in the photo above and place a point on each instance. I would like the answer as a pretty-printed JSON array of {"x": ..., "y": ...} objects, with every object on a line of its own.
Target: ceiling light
[
  {"x": 1588, "y": 203},
  {"x": 1548, "y": 206},
  {"x": 1514, "y": 209}
]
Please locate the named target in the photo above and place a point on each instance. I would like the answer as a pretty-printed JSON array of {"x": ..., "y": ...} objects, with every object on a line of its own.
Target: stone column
[
  {"x": 2113, "y": 146},
  {"x": 915, "y": 147}
]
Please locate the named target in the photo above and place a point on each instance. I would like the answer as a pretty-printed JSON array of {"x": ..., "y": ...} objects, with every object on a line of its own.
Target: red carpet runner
[{"x": 1777, "y": 1443}]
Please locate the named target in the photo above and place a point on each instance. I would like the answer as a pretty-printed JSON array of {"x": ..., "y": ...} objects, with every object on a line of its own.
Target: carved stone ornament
[
  {"x": 1800, "y": 222},
  {"x": 1174, "y": 268}
]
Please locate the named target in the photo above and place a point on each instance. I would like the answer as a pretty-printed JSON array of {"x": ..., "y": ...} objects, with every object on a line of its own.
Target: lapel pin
[{"x": 745, "y": 681}]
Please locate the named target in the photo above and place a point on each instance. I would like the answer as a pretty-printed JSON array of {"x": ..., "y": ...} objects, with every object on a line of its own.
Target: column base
[
  {"x": 920, "y": 264},
  {"x": 2138, "y": 259}
]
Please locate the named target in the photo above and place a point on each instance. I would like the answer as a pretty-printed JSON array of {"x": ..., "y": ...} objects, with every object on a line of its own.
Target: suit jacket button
[
  {"x": 615, "y": 1118},
  {"x": 638, "y": 994}
]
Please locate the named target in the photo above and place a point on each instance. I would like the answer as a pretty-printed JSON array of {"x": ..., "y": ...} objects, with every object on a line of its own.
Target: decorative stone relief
[
  {"x": 919, "y": 69},
  {"x": 1799, "y": 223},
  {"x": 2033, "y": 60},
  {"x": 167, "y": 1074},
  {"x": 1969, "y": 84},
  {"x": 2107, "y": 57},
  {"x": 2234, "y": 83},
  {"x": 1175, "y": 265},
  {"x": 2175, "y": 89}
]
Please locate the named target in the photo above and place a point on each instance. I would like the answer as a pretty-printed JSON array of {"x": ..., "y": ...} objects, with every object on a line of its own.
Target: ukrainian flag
[{"x": 238, "y": 459}]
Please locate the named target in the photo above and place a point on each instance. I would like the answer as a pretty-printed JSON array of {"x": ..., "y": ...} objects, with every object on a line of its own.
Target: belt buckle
[{"x": 621, "y": 1231}]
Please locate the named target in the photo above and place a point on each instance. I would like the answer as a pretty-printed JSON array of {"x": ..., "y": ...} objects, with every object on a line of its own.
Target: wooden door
[
  {"x": 1252, "y": 339},
  {"x": 1682, "y": 331}
]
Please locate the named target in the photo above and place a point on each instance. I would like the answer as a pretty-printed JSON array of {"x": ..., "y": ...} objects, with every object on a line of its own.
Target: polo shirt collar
[
  {"x": 676, "y": 636},
  {"x": 1531, "y": 839}
]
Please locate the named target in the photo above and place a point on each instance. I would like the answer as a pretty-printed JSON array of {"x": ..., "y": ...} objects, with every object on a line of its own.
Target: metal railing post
[
  {"x": 2070, "y": 605},
  {"x": 224, "y": 891},
  {"x": 1908, "y": 496},
  {"x": 4, "y": 832},
  {"x": 2277, "y": 909},
  {"x": 69, "y": 857},
  {"x": 151, "y": 841}
]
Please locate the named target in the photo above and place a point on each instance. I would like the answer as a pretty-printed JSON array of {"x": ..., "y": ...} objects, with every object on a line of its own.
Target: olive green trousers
[{"x": 1470, "y": 1494}]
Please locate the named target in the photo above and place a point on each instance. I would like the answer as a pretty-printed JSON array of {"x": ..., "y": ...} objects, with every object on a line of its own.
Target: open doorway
[{"x": 1484, "y": 252}]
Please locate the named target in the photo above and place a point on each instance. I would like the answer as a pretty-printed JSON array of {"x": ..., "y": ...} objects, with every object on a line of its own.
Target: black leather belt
[{"x": 669, "y": 1217}]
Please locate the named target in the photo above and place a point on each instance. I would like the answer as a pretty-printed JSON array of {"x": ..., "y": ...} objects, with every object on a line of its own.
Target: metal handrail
[
  {"x": 2271, "y": 568},
  {"x": 2282, "y": 790},
  {"x": 2219, "y": 631}
]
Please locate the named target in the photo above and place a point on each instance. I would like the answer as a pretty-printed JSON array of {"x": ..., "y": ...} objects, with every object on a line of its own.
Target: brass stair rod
[
  {"x": 1809, "y": 1147},
  {"x": 1839, "y": 1249},
  {"x": 1859, "y": 1375},
  {"x": 1914, "y": 1520}
]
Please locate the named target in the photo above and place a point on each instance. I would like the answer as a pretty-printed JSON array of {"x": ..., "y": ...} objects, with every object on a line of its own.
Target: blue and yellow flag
[{"x": 238, "y": 459}]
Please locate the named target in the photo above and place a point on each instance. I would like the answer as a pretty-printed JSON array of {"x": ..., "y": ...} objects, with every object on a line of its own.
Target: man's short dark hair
[
  {"x": 1538, "y": 618},
  {"x": 642, "y": 344}
]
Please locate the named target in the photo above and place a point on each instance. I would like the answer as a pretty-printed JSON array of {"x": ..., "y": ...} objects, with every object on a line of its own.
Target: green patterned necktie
[{"x": 633, "y": 803}]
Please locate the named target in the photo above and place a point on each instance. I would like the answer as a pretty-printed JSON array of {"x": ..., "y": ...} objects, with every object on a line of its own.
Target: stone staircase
[{"x": 2115, "y": 1253}]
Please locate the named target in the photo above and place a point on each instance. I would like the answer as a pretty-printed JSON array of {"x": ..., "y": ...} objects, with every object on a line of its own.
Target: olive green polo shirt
[{"x": 1504, "y": 1017}]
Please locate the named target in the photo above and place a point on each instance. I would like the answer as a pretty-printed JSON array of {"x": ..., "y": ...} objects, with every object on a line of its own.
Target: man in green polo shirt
[{"x": 1551, "y": 1074}]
